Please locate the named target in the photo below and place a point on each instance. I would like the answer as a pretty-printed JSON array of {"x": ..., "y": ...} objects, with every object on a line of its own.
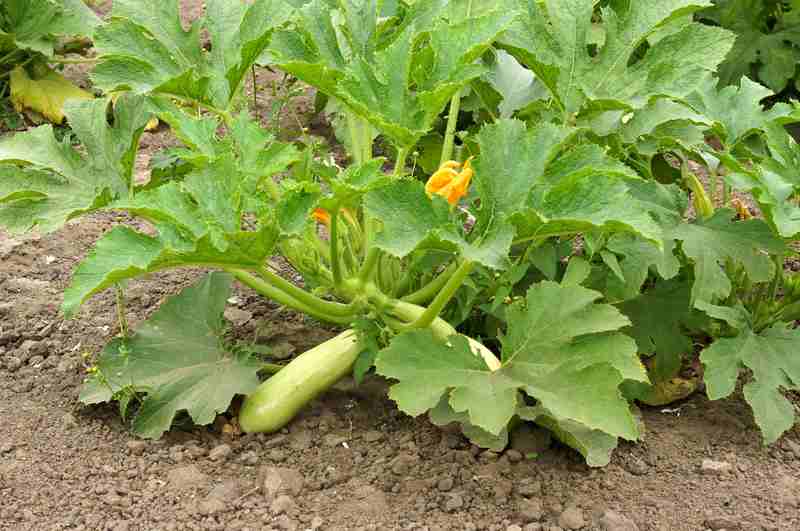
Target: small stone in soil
[
  {"x": 185, "y": 477},
  {"x": 237, "y": 317},
  {"x": 513, "y": 527},
  {"x": 514, "y": 456},
  {"x": 530, "y": 510},
  {"x": 283, "y": 504},
  {"x": 210, "y": 506},
  {"x": 13, "y": 363},
  {"x": 136, "y": 447},
  {"x": 572, "y": 518},
  {"x": 709, "y": 466},
  {"x": 219, "y": 453},
  {"x": 614, "y": 521},
  {"x": 529, "y": 487},
  {"x": 372, "y": 436},
  {"x": 332, "y": 439},
  {"x": 445, "y": 484},
  {"x": 317, "y": 522},
  {"x": 401, "y": 465},
  {"x": 454, "y": 503},
  {"x": 716, "y": 523},
  {"x": 277, "y": 480}
]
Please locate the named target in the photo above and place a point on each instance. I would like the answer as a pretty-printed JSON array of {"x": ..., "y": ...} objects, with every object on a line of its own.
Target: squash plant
[
  {"x": 563, "y": 249},
  {"x": 34, "y": 33}
]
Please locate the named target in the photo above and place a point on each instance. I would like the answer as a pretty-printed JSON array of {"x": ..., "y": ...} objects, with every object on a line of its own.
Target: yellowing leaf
[{"x": 45, "y": 95}]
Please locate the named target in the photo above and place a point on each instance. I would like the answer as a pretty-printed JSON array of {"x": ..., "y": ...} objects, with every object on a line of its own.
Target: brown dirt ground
[{"x": 351, "y": 461}]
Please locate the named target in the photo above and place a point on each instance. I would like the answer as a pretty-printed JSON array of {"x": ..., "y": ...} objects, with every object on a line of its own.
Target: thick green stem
[
  {"x": 336, "y": 264},
  {"x": 332, "y": 308},
  {"x": 400, "y": 163},
  {"x": 450, "y": 134},
  {"x": 123, "y": 320},
  {"x": 370, "y": 263},
  {"x": 444, "y": 296},
  {"x": 440, "y": 328},
  {"x": 355, "y": 138},
  {"x": 281, "y": 297},
  {"x": 429, "y": 291},
  {"x": 366, "y": 140}
]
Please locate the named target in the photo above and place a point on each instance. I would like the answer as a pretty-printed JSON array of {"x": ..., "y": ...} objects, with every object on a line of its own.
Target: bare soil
[{"x": 351, "y": 461}]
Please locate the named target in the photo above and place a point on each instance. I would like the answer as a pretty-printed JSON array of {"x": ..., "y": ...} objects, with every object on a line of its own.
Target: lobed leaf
[
  {"x": 177, "y": 359},
  {"x": 47, "y": 182},
  {"x": 771, "y": 356}
]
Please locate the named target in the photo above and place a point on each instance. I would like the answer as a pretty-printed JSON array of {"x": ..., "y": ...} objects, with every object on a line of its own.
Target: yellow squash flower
[
  {"x": 449, "y": 183},
  {"x": 322, "y": 216}
]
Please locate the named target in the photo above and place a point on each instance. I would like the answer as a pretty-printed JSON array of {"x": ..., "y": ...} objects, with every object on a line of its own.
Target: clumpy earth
[{"x": 351, "y": 461}]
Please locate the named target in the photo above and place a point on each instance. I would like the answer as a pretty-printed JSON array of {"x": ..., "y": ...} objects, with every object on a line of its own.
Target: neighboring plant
[
  {"x": 767, "y": 47},
  {"x": 32, "y": 34},
  {"x": 563, "y": 248}
]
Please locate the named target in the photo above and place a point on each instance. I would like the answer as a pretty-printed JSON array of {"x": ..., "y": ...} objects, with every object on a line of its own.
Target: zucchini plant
[
  {"x": 34, "y": 34},
  {"x": 555, "y": 275}
]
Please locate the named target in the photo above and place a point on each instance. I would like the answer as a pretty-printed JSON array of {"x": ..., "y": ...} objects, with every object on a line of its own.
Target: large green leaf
[
  {"x": 427, "y": 369},
  {"x": 374, "y": 78},
  {"x": 553, "y": 38},
  {"x": 766, "y": 41},
  {"x": 46, "y": 182},
  {"x": 413, "y": 221},
  {"x": 177, "y": 359},
  {"x": 657, "y": 318},
  {"x": 527, "y": 176},
  {"x": 124, "y": 254},
  {"x": 736, "y": 111},
  {"x": 35, "y": 24},
  {"x": 144, "y": 48},
  {"x": 771, "y": 355},
  {"x": 710, "y": 243},
  {"x": 516, "y": 85},
  {"x": 561, "y": 348}
]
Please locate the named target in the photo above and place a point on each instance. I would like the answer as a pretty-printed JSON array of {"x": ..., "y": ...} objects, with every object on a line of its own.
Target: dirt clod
[
  {"x": 572, "y": 518},
  {"x": 278, "y": 480},
  {"x": 614, "y": 521},
  {"x": 712, "y": 467},
  {"x": 220, "y": 452}
]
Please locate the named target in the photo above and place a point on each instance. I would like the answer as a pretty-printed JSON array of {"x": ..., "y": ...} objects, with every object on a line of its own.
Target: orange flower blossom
[{"x": 449, "y": 183}]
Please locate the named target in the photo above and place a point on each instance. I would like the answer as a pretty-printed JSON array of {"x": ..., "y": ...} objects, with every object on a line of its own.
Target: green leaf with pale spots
[
  {"x": 178, "y": 360},
  {"x": 771, "y": 355},
  {"x": 46, "y": 182},
  {"x": 710, "y": 243}
]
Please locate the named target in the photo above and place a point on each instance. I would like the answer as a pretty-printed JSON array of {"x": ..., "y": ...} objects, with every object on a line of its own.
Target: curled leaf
[{"x": 45, "y": 95}]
